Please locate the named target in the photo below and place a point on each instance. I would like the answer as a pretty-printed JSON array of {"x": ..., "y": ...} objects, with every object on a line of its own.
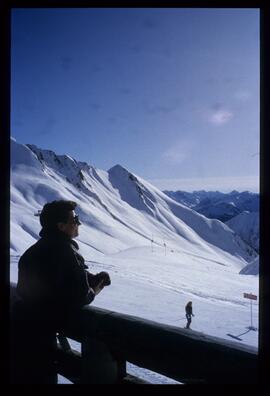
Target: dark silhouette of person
[
  {"x": 189, "y": 313},
  {"x": 53, "y": 282}
]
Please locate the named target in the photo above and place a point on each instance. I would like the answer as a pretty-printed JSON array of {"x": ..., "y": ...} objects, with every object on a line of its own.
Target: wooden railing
[{"x": 109, "y": 340}]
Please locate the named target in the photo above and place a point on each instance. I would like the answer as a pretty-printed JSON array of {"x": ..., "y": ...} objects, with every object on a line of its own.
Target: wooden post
[
  {"x": 63, "y": 341},
  {"x": 98, "y": 364}
]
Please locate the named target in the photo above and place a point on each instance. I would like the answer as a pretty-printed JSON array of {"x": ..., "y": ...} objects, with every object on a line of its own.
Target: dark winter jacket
[
  {"x": 188, "y": 310},
  {"x": 52, "y": 276}
]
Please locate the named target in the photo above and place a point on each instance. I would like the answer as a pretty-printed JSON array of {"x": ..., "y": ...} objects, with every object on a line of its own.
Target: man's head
[{"x": 60, "y": 215}]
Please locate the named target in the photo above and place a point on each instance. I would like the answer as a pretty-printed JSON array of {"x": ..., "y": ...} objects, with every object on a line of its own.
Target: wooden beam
[
  {"x": 69, "y": 364},
  {"x": 184, "y": 355}
]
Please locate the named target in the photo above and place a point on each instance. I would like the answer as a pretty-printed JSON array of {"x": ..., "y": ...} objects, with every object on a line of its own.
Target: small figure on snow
[{"x": 189, "y": 313}]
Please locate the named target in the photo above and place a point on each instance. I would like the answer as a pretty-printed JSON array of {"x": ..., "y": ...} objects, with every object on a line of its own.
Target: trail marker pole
[
  {"x": 251, "y": 297},
  {"x": 251, "y": 313}
]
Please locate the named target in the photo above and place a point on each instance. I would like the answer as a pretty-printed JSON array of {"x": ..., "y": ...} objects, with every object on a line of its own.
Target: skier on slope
[{"x": 189, "y": 313}]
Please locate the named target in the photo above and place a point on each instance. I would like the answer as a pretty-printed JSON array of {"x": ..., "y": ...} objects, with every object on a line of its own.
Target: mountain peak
[
  {"x": 117, "y": 168},
  {"x": 120, "y": 171}
]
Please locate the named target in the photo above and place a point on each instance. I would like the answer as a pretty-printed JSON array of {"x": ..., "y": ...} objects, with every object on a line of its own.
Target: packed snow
[{"x": 159, "y": 253}]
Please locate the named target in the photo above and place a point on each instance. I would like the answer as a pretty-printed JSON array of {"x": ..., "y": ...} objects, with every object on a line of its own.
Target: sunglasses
[{"x": 75, "y": 220}]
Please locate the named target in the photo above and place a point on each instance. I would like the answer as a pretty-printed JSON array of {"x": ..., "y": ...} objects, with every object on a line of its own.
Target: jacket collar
[{"x": 48, "y": 233}]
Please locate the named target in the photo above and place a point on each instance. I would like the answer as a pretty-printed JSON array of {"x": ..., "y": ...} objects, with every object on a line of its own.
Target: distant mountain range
[
  {"x": 217, "y": 205},
  {"x": 239, "y": 210}
]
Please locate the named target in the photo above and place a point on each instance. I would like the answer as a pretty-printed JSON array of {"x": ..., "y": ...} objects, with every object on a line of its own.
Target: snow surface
[{"x": 159, "y": 253}]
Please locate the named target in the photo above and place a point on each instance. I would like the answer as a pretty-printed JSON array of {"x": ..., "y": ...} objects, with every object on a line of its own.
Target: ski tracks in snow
[{"x": 179, "y": 288}]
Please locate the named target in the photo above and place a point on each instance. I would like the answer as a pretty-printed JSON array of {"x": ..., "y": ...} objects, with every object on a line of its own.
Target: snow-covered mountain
[
  {"x": 159, "y": 253},
  {"x": 218, "y": 205},
  {"x": 246, "y": 224},
  {"x": 119, "y": 210}
]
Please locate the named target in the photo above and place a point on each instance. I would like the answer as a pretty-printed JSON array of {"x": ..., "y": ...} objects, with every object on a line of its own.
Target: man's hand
[
  {"x": 105, "y": 277},
  {"x": 104, "y": 280},
  {"x": 98, "y": 287}
]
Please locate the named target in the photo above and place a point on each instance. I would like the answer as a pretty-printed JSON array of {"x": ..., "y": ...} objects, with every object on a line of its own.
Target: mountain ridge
[{"x": 118, "y": 208}]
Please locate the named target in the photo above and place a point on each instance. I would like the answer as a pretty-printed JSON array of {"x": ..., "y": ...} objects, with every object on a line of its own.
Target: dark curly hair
[{"x": 56, "y": 211}]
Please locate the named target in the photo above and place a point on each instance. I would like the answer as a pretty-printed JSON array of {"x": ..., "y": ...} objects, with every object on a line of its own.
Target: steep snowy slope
[
  {"x": 145, "y": 197},
  {"x": 246, "y": 225},
  {"x": 252, "y": 268}
]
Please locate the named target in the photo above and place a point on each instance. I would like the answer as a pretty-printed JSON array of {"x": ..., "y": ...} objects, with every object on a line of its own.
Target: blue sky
[{"x": 170, "y": 94}]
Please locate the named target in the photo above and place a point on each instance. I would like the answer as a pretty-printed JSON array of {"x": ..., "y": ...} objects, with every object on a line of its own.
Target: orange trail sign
[{"x": 250, "y": 296}]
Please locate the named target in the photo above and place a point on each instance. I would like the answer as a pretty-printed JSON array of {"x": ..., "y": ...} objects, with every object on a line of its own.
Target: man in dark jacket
[{"x": 52, "y": 284}]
